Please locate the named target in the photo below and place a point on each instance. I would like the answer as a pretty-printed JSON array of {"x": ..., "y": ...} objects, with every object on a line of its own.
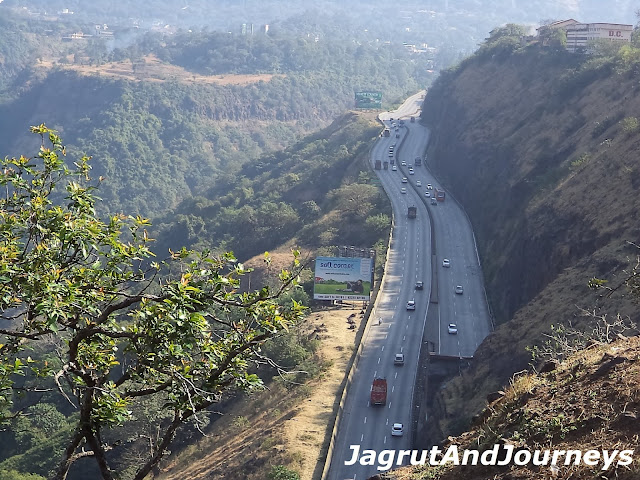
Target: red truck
[
  {"x": 439, "y": 195},
  {"x": 379, "y": 391}
]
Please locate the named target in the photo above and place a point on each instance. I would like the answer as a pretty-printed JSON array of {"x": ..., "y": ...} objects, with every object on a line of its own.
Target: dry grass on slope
[
  {"x": 151, "y": 69},
  {"x": 286, "y": 425},
  {"x": 589, "y": 402}
]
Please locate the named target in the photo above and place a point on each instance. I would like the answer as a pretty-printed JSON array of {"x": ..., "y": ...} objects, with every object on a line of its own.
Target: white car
[
  {"x": 429, "y": 187},
  {"x": 446, "y": 263},
  {"x": 411, "y": 305},
  {"x": 399, "y": 359},
  {"x": 452, "y": 329},
  {"x": 459, "y": 289},
  {"x": 403, "y": 163},
  {"x": 397, "y": 430},
  {"x": 403, "y": 190},
  {"x": 411, "y": 172},
  {"x": 394, "y": 168},
  {"x": 404, "y": 180},
  {"x": 427, "y": 194},
  {"x": 418, "y": 183}
]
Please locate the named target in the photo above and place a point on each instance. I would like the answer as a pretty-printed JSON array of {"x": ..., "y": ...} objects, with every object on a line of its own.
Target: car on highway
[
  {"x": 404, "y": 180},
  {"x": 397, "y": 135},
  {"x": 427, "y": 194},
  {"x": 397, "y": 430},
  {"x": 434, "y": 201},
  {"x": 398, "y": 359},
  {"x": 411, "y": 305},
  {"x": 429, "y": 186},
  {"x": 391, "y": 154},
  {"x": 446, "y": 263},
  {"x": 411, "y": 172},
  {"x": 403, "y": 190},
  {"x": 418, "y": 183},
  {"x": 394, "y": 168},
  {"x": 403, "y": 163},
  {"x": 452, "y": 329},
  {"x": 459, "y": 289},
  {"x": 419, "y": 285}
]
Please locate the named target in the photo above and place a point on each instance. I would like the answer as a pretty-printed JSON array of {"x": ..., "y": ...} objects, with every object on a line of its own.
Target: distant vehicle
[
  {"x": 390, "y": 154},
  {"x": 412, "y": 212},
  {"x": 397, "y": 135},
  {"x": 411, "y": 172},
  {"x": 398, "y": 359},
  {"x": 418, "y": 161},
  {"x": 378, "y": 165},
  {"x": 404, "y": 180},
  {"x": 385, "y": 165},
  {"x": 459, "y": 289},
  {"x": 413, "y": 120},
  {"x": 427, "y": 194},
  {"x": 411, "y": 305},
  {"x": 434, "y": 201},
  {"x": 418, "y": 183},
  {"x": 403, "y": 190},
  {"x": 446, "y": 263},
  {"x": 379, "y": 391},
  {"x": 403, "y": 163},
  {"x": 452, "y": 329},
  {"x": 397, "y": 430},
  {"x": 401, "y": 123},
  {"x": 439, "y": 195},
  {"x": 429, "y": 187},
  {"x": 394, "y": 168},
  {"x": 419, "y": 285},
  {"x": 386, "y": 132}
]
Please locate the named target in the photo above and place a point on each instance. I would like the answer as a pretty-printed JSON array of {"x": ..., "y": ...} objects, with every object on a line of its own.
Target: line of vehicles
[{"x": 379, "y": 386}]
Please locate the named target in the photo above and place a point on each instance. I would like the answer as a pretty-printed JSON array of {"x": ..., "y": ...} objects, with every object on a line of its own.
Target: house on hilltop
[{"x": 580, "y": 36}]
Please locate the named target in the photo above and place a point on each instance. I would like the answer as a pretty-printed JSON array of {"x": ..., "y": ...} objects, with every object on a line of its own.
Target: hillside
[
  {"x": 589, "y": 402},
  {"x": 540, "y": 148}
]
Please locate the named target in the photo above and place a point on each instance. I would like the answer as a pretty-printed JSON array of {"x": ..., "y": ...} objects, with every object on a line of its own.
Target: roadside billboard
[
  {"x": 368, "y": 99},
  {"x": 342, "y": 278}
]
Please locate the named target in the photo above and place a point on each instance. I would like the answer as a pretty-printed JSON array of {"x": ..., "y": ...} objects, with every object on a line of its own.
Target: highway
[{"x": 410, "y": 260}]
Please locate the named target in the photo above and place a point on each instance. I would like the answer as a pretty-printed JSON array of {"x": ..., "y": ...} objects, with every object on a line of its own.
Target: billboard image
[
  {"x": 340, "y": 278},
  {"x": 368, "y": 99}
]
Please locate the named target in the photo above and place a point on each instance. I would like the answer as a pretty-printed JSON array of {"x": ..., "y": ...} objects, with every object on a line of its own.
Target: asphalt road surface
[{"x": 402, "y": 331}]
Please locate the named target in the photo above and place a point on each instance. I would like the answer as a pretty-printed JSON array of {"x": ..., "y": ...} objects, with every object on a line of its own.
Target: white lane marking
[
  {"x": 401, "y": 349},
  {"x": 389, "y": 404},
  {"x": 396, "y": 375},
  {"x": 378, "y": 360},
  {"x": 383, "y": 348},
  {"x": 365, "y": 419},
  {"x": 393, "y": 388},
  {"x": 385, "y": 439},
  {"x": 361, "y": 437},
  {"x": 387, "y": 422}
]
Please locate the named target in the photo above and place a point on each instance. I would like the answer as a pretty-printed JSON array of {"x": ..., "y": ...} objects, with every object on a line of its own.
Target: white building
[{"x": 580, "y": 36}]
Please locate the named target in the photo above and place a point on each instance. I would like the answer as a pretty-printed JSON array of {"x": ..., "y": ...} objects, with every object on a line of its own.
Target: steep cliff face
[{"x": 541, "y": 149}]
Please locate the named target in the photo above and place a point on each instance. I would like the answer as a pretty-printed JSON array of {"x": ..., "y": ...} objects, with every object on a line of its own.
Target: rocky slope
[{"x": 540, "y": 147}]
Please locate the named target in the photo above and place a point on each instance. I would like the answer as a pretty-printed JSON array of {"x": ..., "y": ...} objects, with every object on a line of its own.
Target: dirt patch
[
  {"x": 151, "y": 69},
  {"x": 288, "y": 425}
]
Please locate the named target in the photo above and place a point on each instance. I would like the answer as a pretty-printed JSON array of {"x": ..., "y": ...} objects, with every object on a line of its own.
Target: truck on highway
[
  {"x": 418, "y": 161},
  {"x": 411, "y": 212},
  {"x": 379, "y": 391},
  {"x": 378, "y": 165},
  {"x": 386, "y": 132},
  {"x": 439, "y": 195},
  {"x": 385, "y": 165}
]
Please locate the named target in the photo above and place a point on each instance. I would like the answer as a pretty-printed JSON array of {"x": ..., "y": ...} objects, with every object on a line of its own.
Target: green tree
[{"x": 123, "y": 329}]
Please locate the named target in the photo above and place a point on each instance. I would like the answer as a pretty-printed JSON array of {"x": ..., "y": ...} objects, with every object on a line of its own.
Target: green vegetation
[{"x": 134, "y": 347}]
